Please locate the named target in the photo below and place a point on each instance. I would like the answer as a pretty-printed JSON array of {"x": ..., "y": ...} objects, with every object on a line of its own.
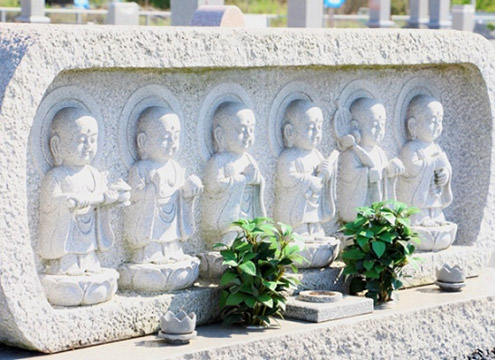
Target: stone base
[
  {"x": 65, "y": 290},
  {"x": 319, "y": 311},
  {"x": 159, "y": 278},
  {"x": 320, "y": 253},
  {"x": 211, "y": 267},
  {"x": 177, "y": 339},
  {"x": 435, "y": 238}
]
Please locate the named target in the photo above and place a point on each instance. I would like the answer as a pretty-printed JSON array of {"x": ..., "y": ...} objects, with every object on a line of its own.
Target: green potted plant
[
  {"x": 256, "y": 280},
  {"x": 382, "y": 244}
]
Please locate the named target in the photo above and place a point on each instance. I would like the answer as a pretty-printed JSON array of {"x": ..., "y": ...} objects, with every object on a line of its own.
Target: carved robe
[
  {"x": 72, "y": 231},
  {"x": 158, "y": 210},
  {"x": 417, "y": 186},
  {"x": 297, "y": 200},
  {"x": 354, "y": 188},
  {"x": 227, "y": 195}
]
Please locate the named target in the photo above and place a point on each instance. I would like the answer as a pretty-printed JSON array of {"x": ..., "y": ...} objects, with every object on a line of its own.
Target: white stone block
[
  {"x": 463, "y": 17},
  {"x": 305, "y": 13}
]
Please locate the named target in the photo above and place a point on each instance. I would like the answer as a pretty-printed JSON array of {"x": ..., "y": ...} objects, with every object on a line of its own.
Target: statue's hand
[
  {"x": 192, "y": 187},
  {"x": 111, "y": 196},
  {"x": 123, "y": 191},
  {"x": 324, "y": 169},
  {"x": 77, "y": 202},
  {"x": 375, "y": 175},
  {"x": 395, "y": 168},
  {"x": 348, "y": 141},
  {"x": 441, "y": 177},
  {"x": 252, "y": 174}
]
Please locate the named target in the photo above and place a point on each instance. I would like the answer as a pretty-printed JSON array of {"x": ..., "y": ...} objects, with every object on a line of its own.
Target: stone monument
[
  {"x": 305, "y": 187},
  {"x": 365, "y": 173},
  {"x": 161, "y": 214},
  {"x": 426, "y": 182},
  {"x": 74, "y": 221},
  {"x": 233, "y": 181}
]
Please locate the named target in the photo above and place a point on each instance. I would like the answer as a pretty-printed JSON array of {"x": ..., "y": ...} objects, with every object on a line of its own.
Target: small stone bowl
[
  {"x": 319, "y": 296},
  {"x": 177, "y": 329},
  {"x": 450, "y": 274}
]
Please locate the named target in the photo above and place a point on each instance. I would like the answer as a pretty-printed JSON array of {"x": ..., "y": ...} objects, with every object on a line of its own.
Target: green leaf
[
  {"x": 378, "y": 248},
  {"x": 368, "y": 264},
  {"x": 362, "y": 241},
  {"x": 404, "y": 221},
  {"x": 242, "y": 246},
  {"x": 353, "y": 254},
  {"x": 217, "y": 245},
  {"x": 373, "y": 285},
  {"x": 248, "y": 267},
  {"x": 228, "y": 277},
  {"x": 387, "y": 237},
  {"x": 272, "y": 285},
  {"x": 389, "y": 217},
  {"x": 230, "y": 263},
  {"x": 366, "y": 233},
  {"x": 265, "y": 299},
  {"x": 250, "y": 301},
  {"x": 372, "y": 274},
  {"x": 228, "y": 255},
  {"x": 397, "y": 284},
  {"x": 235, "y": 299},
  {"x": 349, "y": 270}
]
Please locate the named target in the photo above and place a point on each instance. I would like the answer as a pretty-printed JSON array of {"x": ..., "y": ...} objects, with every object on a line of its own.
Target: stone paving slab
[{"x": 318, "y": 312}]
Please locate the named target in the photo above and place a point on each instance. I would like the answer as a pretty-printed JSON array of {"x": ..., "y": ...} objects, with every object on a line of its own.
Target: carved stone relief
[
  {"x": 74, "y": 225},
  {"x": 426, "y": 182},
  {"x": 161, "y": 214},
  {"x": 305, "y": 185},
  {"x": 365, "y": 173}
]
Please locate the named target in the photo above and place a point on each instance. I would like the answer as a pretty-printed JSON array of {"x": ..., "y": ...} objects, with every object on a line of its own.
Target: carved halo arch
[
  {"x": 54, "y": 101},
  {"x": 294, "y": 90},
  {"x": 356, "y": 89},
  {"x": 141, "y": 99},
  {"x": 413, "y": 87},
  {"x": 220, "y": 94}
]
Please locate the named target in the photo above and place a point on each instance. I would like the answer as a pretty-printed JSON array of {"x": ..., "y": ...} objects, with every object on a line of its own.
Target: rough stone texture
[
  {"x": 319, "y": 312},
  {"x": 193, "y": 64},
  {"x": 424, "y": 324}
]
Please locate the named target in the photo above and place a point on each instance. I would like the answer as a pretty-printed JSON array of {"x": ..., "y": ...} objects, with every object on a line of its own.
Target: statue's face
[
  {"x": 163, "y": 139},
  {"x": 239, "y": 135},
  {"x": 429, "y": 123},
  {"x": 307, "y": 132},
  {"x": 79, "y": 146},
  {"x": 373, "y": 126}
]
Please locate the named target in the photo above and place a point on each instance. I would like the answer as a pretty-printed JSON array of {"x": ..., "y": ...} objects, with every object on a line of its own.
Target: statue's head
[
  {"x": 158, "y": 133},
  {"x": 73, "y": 137},
  {"x": 368, "y": 119},
  {"x": 302, "y": 125},
  {"x": 233, "y": 127},
  {"x": 424, "y": 118}
]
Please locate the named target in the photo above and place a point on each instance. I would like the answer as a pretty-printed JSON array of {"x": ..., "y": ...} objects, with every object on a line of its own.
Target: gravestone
[
  {"x": 183, "y": 10},
  {"x": 33, "y": 11},
  {"x": 120, "y": 13},
  {"x": 223, "y": 16},
  {"x": 305, "y": 13},
  {"x": 439, "y": 14},
  {"x": 379, "y": 11},
  {"x": 418, "y": 13}
]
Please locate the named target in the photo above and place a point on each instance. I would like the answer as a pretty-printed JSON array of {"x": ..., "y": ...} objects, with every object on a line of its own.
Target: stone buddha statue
[
  {"x": 74, "y": 223},
  {"x": 233, "y": 182},
  {"x": 426, "y": 182},
  {"x": 365, "y": 173},
  {"x": 161, "y": 214},
  {"x": 305, "y": 185}
]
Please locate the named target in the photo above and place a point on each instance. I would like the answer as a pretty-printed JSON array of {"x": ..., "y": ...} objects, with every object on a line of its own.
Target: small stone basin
[{"x": 320, "y": 296}]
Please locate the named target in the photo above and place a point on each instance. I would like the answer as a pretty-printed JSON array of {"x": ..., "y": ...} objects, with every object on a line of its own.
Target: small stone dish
[
  {"x": 319, "y": 296},
  {"x": 178, "y": 328}
]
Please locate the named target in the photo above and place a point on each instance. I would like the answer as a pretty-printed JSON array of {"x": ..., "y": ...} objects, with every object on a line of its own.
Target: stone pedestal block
[
  {"x": 33, "y": 11},
  {"x": 380, "y": 14},
  {"x": 183, "y": 10},
  {"x": 305, "y": 13},
  {"x": 418, "y": 13},
  {"x": 120, "y": 13},
  {"x": 463, "y": 17},
  {"x": 439, "y": 14}
]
